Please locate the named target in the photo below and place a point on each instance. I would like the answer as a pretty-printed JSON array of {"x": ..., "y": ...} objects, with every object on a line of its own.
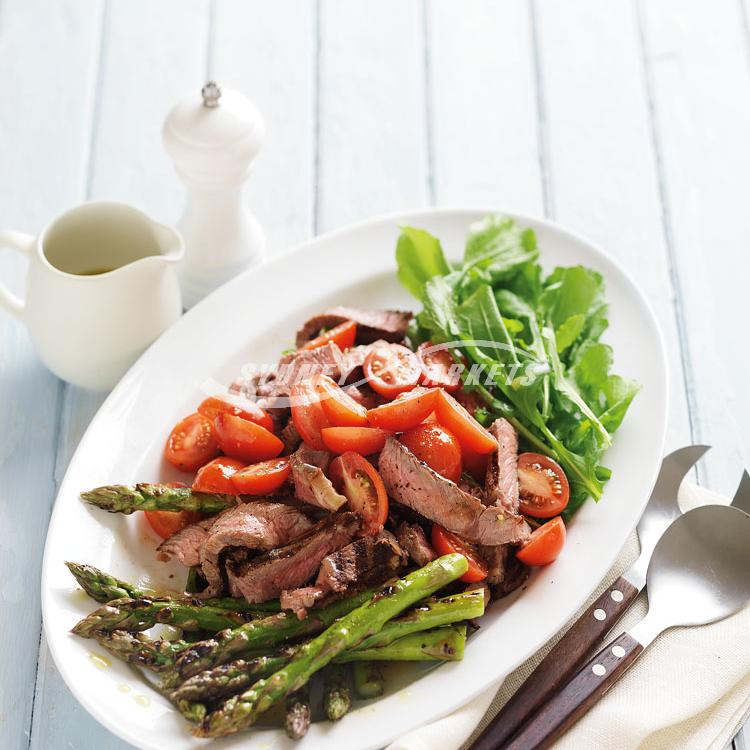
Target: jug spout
[{"x": 171, "y": 245}]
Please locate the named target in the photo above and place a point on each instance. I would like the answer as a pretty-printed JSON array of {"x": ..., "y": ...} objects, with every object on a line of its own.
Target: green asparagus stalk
[
  {"x": 368, "y": 679},
  {"x": 157, "y": 655},
  {"x": 428, "y": 615},
  {"x": 143, "y": 613},
  {"x": 105, "y": 587},
  {"x": 240, "y": 712},
  {"x": 229, "y": 679},
  {"x": 298, "y": 713},
  {"x": 121, "y": 498},
  {"x": 442, "y": 644},
  {"x": 262, "y": 634},
  {"x": 193, "y": 712},
  {"x": 337, "y": 698}
]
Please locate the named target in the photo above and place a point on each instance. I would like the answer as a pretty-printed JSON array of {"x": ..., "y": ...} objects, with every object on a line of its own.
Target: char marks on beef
[
  {"x": 372, "y": 325},
  {"x": 502, "y": 469},
  {"x": 292, "y": 565},
  {"x": 256, "y": 525},
  {"x": 411, "y": 482},
  {"x": 363, "y": 562},
  {"x": 311, "y": 485},
  {"x": 412, "y": 538}
]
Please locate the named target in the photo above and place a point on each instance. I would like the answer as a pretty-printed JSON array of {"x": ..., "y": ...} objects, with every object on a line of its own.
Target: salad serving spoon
[
  {"x": 586, "y": 632},
  {"x": 699, "y": 573}
]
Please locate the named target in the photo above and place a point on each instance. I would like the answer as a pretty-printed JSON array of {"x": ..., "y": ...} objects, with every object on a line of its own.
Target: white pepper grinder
[{"x": 213, "y": 141}]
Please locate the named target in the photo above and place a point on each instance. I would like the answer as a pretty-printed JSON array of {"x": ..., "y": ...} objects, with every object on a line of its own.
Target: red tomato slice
[
  {"x": 166, "y": 522},
  {"x": 469, "y": 432},
  {"x": 542, "y": 486},
  {"x": 340, "y": 408},
  {"x": 545, "y": 544},
  {"x": 228, "y": 404},
  {"x": 446, "y": 542},
  {"x": 433, "y": 444},
  {"x": 262, "y": 478},
  {"x": 439, "y": 369},
  {"x": 246, "y": 440},
  {"x": 307, "y": 413},
  {"x": 405, "y": 412},
  {"x": 475, "y": 463},
  {"x": 215, "y": 476},
  {"x": 363, "y": 440},
  {"x": 343, "y": 334},
  {"x": 191, "y": 443},
  {"x": 355, "y": 477},
  {"x": 392, "y": 369}
]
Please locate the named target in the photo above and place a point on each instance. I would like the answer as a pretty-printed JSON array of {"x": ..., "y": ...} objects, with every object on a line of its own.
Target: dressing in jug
[{"x": 101, "y": 287}]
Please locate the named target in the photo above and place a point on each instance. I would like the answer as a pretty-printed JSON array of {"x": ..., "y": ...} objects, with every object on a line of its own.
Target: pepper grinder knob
[{"x": 213, "y": 140}]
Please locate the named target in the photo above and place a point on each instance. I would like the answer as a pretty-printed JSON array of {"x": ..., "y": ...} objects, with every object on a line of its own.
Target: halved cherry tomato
[
  {"x": 262, "y": 478},
  {"x": 475, "y": 463},
  {"x": 191, "y": 443},
  {"x": 355, "y": 477},
  {"x": 446, "y": 542},
  {"x": 433, "y": 444},
  {"x": 343, "y": 334},
  {"x": 438, "y": 367},
  {"x": 307, "y": 413},
  {"x": 542, "y": 486},
  {"x": 405, "y": 412},
  {"x": 545, "y": 544},
  {"x": 246, "y": 440},
  {"x": 168, "y": 522},
  {"x": 340, "y": 408},
  {"x": 364, "y": 440},
  {"x": 392, "y": 369},
  {"x": 229, "y": 404},
  {"x": 469, "y": 432},
  {"x": 215, "y": 476}
]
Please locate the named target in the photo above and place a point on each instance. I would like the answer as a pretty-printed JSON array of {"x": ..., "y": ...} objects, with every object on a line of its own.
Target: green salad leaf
[{"x": 534, "y": 338}]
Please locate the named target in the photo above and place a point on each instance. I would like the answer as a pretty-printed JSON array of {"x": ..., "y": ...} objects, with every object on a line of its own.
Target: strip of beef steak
[
  {"x": 411, "y": 482},
  {"x": 412, "y": 538},
  {"x": 363, "y": 562},
  {"x": 255, "y": 525},
  {"x": 501, "y": 483},
  {"x": 389, "y": 325},
  {"x": 186, "y": 544},
  {"x": 292, "y": 565}
]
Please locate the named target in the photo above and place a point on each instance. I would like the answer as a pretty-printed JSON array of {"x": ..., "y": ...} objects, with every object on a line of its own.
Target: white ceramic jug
[{"x": 101, "y": 287}]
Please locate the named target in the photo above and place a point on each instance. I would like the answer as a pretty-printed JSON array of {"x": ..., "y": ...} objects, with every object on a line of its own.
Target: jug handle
[{"x": 23, "y": 243}]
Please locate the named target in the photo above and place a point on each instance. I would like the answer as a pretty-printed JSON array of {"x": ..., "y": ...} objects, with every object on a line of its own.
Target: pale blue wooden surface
[{"x": 628, "y": 122}]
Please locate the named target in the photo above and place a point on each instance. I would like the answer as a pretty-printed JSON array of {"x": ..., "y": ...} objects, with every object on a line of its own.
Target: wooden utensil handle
[
  {"x": 592, "y": 681},
  {"x": 560, "y": 663}
]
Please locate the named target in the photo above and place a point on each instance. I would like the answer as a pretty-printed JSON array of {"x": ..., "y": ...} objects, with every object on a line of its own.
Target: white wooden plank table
[{"x": 627, "y": 121}]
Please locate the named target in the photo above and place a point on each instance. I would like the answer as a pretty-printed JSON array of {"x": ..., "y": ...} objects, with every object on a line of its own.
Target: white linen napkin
[{"x": 689, "y": 690}]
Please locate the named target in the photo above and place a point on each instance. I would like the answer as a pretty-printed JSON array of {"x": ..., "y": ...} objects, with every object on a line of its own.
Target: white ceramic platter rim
[{"x": 126, "y": 436}]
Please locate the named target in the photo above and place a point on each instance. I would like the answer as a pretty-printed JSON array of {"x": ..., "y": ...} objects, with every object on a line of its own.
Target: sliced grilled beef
[
  {"x": 412, "y": 538},
  {"x": 186, "y": 544},
  {"x": 363, "y": 562},
  {"x": 290, "y": 437},
  {"x": 290, "y": 566},
  {"x": 501, "y": 483},
  {"x": 389, "y": 325},
  {"x": 514, "y": 575},
  {"x": 364, "y": 395},
  {"x": 496, "y": 559},
  {"x": 311, "y": 485},
  {"x": 252, "y": 526},
  {"x": 413, "y": 483}
]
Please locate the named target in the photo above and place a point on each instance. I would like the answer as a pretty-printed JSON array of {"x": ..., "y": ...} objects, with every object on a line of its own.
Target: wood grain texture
[
  {"x": 603, "y": 169},
  {"x": 268, "y": 51},
  {"x": 371, "y": 111},
  {"x": 54, "y": 81},
  {"x": 696, "y": 58},
  {"x": 483, "y": 105}
]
